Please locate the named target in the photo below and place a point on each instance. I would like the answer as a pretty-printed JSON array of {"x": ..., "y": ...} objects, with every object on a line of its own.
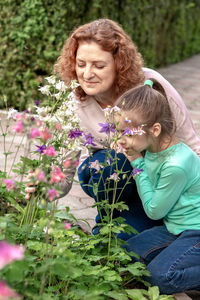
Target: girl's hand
[{"x": 133, "y": 155}]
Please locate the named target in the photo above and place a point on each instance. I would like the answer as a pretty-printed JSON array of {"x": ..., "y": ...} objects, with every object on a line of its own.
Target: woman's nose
[{"x": 88, "y": 73}]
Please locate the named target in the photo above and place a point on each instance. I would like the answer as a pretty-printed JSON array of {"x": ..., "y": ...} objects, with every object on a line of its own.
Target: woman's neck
[{"x": 105, "y": 100}]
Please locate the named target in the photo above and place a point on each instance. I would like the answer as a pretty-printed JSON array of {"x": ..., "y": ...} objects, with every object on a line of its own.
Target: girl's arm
[{"x": 158, "y": 201}]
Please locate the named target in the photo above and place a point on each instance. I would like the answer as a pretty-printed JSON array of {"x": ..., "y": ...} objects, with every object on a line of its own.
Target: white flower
[
  {"x": 74, "y": 84},
  {"x": 58, "y": 95},
  {"x": 61, "y": 86},
  {"x": 114, "y": 177},
  {"x": 12, "y": 113},
  {"x": 45, "y": 90},
  {"x": 51, "y": 79},
  {"x": 96, "y": 165}
]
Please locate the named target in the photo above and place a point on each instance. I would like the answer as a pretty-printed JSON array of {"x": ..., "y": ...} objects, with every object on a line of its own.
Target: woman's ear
[{"x": 155, "y": 130}]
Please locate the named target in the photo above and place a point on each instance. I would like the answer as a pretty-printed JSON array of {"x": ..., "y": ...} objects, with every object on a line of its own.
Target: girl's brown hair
[
  {"x": 151, "y": 104},
  {"x": 112, "y": 38}
]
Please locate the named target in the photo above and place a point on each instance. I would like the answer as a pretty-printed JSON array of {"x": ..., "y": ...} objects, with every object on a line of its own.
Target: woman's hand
[{"x": 30, "y": 189}]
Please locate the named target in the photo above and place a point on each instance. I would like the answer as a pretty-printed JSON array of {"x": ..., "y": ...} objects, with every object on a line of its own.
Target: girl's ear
[{"x": 156, "y": 130}]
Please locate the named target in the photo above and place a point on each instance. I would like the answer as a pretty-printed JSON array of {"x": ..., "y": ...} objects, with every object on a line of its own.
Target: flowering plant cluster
[{"x": 61, "y": 261}]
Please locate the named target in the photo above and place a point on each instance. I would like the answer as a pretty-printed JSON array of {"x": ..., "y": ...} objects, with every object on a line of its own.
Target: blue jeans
[
  {"x": 173, "y": 260},
  {"x": 88, "y": 177}
]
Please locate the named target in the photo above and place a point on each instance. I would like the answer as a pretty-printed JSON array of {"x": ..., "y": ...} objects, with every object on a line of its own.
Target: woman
[
  {"x": 106, "y": 63},
  {"x": 168, "y": 184}
]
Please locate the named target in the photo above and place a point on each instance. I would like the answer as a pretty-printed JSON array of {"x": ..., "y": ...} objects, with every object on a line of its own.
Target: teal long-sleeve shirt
[{"x": 169, "y": 187}]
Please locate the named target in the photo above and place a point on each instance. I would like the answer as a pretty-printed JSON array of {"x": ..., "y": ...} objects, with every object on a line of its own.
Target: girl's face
[
  {"x": 134, "y": 143},
  {"x": 95, "y": 69}
]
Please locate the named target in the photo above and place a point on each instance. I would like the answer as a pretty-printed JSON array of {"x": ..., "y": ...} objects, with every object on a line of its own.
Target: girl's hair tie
[{"x": 148, "y": 82}]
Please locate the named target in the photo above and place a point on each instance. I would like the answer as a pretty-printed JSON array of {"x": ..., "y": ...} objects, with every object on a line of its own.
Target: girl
[{"x": 168, "y": 183}]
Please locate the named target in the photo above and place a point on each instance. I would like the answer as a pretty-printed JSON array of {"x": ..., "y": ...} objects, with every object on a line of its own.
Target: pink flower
[
  {"x": 57, "y": 175},
  {"x": 75, "y": 162},
  {"x": 6, "y": 292},
  {"x": 10, "y": 184},
  {"x": 45, "y": 135},
  {"x": 10, "y": 253},
  {"x": 58, "y": 126},
  {"x": 19, "y": 127},
  {"x": 34, "y": 133},
  {"x": 114, "y": 177},
  {"x": 41, "y": 176},
  {"x": 52, "y": 194},
  {"x": 67, "y": 226},
  {"x": 50, "y": 151},
  {"x": 67, "y": 163}
]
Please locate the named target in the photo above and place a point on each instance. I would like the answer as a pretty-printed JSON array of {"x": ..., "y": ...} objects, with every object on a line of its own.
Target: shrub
[{"x": 33, "y": 31}]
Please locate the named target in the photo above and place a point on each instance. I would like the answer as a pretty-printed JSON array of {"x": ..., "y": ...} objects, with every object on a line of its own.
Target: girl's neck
[{"x": 164, "y": 144}]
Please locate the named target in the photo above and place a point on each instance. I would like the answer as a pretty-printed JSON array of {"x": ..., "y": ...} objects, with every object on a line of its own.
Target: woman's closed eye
[{"x": 99, "y": 67}]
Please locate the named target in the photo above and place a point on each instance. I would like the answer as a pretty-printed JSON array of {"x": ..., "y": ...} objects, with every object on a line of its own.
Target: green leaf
[
  {"x": 136, "y": 294},
  {"x": 117, "y": 295}
]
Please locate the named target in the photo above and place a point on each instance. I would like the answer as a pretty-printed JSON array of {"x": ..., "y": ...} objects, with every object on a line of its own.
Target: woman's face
[{"x": 95, "y": 69}]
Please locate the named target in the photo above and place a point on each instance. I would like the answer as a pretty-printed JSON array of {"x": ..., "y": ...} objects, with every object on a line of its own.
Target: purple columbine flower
[
  {"x": 73, "y": 134},
  {"x": 127, "y": 131},
  {"x": 41, "y": 149},
  {"x": 37, "y": 102},
  {"x": 107, "y": 128},
  {"x": 89, "y": 140},
  {"x": 136, "y": 171}
]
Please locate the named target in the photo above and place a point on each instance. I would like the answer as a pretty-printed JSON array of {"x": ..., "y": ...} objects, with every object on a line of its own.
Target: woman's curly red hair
[{"x": 112, "y": 38}]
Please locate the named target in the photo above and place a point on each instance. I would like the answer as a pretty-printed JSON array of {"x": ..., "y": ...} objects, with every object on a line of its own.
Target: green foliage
[{"x": 32, "y": 33}]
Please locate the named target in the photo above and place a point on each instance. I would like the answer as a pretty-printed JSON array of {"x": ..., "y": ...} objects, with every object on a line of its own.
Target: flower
[
  {"x": 109, "y": 110},
  {"x": 34, "y": 133},
  {"x": 74, "y": 84},
  {"x": 57, "y": 175},
  {"x": 89, "y": 140},
  {"x": 51, "y": 79},
  {"x": 6, "y": 292},
  {"x": 114, "y": 177},
  {"x": 37, "y": 102},
  {"x": 10, "y": 253},
  {"x": 10, "y": 184},
  {"x": 12, "y": 113},
  {"x": 135, "y": 131},
  {"x": 95, "y": 165},
  {"x": 127, "y": 131},
  {"x": 45, "y": 134},
  {"x": 107, "y": 128},
  {"x": 45, "y": 90},
  {"x": 58, "y": 126},
  {"x": 41, "y": 148},
  {"x": 67, "y": 163},
  {"x": 61, "y": 86},
  {"x": 52, "y": 194},
  {"x": 19, "y": 127},
  {"x": 127, "y": 120},
  {"x": 50, "y": 151},
  {"x": 75, "y": 133},
  {"x": 41, "y": 177},
  {"x": 136, "y": 171},
  {"x": 67, "y": 226}
]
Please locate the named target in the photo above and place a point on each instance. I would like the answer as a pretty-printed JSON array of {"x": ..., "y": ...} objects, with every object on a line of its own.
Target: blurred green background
[{"x": 32, "y": 33}]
